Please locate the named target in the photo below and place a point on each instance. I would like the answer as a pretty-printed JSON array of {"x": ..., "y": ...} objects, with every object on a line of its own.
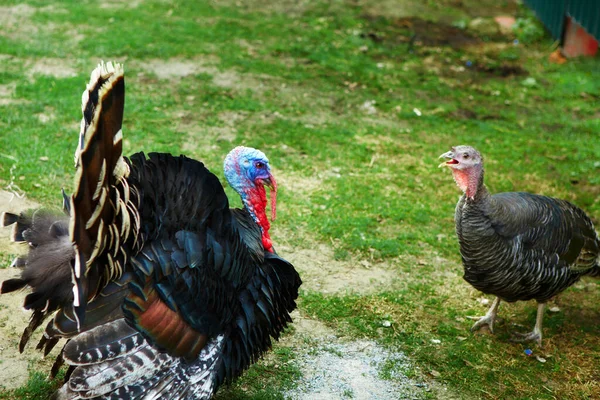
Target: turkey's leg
[
  {"x": 536, "y": 334},
  {"x": 489, "y": 318}
]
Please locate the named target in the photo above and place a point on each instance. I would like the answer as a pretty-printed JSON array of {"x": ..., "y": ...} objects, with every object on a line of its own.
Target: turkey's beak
[
  {"x": 450, "y": 155},
  {"x": 272, "y": 185}
]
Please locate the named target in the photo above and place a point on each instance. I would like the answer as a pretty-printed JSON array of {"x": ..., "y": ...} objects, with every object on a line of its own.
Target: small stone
[
  {"x": 386, "y": 324},
  {"x": 554, "y": 309},
  {"x": 540, "y": 359},
  {"x": 436, "y": 341},
  {"x": 44, "y": 158},
  {"x": 505, "y": 23},
  {"x": 369, "y": 107},
  {"x": 417, "y": 112},
  {"x": 435, "y": 373},
  {"x": 529, "y": 82},
  {"x": 484, "y": 26},
  {"x": 484, "y": 301}
]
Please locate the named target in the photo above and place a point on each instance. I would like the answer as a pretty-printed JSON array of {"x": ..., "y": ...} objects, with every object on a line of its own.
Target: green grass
[
  {"x": 37, "y": 387},
  {"x": 292, "y": 80}
]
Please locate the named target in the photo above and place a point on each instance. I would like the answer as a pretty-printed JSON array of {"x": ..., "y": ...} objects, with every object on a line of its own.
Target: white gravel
[{"x": 334, "y": 369}]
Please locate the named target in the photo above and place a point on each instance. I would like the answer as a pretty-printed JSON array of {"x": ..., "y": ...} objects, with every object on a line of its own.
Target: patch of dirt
[
  {"x": 297, "y": 184},
  {"x": 13, "y": 319},
  {"x": 337, "y": 368},
  {"x": 175, "y": 68},
  {"x": 443, "y": 10},
  {"x": 8, "y": 90},
  {"x": 112, "y": 4},
  {"x": 17, "y": 25},
  {"x": 13, "y": 16},
  {"x": 287, "y": 7},
  {"x": 15, "y": 21},
  {"x": 437, "y": 34},
  {"x": 204, "y": 137},
  {"x": 406, "y": 9},
  {"x": 231, "y": 118},
  {"x": 322, "y": 273},
  {"x": 234, "y": 80},
  {"x": 46, "y": 116},
  {"x": 502, "y": 70},
  {"x": 7, "y": 93},
  {"x": 55, "y": 67},
  {"x": 318, "y": 118}
]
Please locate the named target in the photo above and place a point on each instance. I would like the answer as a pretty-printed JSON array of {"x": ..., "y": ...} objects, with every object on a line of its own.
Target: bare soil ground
[
  {"x": 337, "y": 368},
  {"x": 13, "y": 318}
]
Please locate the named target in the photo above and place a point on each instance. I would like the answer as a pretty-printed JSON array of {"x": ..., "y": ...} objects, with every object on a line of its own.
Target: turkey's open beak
[
  {"x": 450, "y": 155},
  {"x": 272, "y": 185}
]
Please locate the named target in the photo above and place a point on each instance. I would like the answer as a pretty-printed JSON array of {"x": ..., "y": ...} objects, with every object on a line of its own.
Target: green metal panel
[
  {"x": 551, "y": 13},
  {"x": 587, "y": 14}
]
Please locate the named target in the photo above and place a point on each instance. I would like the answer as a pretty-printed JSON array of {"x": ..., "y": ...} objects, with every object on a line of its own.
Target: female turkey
[
  {"x": 518, "y": 246},
  {"x": 161, "y": 289}
]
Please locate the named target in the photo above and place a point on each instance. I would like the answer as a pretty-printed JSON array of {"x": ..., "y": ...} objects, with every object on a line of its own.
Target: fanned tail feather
[{"x": 103, "y": 208}]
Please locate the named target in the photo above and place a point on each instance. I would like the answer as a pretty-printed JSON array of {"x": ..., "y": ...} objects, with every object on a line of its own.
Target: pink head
[
  {"x": 248, "y": 172},
  {"x": 467, "y": 168}
]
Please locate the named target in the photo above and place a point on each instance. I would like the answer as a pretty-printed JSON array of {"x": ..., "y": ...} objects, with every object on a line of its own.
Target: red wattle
[
  {"x": 273, "y": 199},
  {"x": 257, "y": 199}
]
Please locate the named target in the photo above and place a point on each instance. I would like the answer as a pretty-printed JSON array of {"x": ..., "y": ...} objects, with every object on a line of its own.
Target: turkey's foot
[
  {"x": 488, "y": 319},
  {"x": 483, "y": 321},
  {"x": 534, "y": 336}
]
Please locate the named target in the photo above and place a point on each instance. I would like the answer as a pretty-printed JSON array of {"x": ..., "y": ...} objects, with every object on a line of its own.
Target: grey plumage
[{"x": 518, "y": 246}]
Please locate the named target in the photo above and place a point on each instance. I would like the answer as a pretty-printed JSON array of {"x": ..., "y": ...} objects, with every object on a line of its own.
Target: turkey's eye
[
  {"x": 466, "y": 155},
  {"x": 259, "y": 164}
]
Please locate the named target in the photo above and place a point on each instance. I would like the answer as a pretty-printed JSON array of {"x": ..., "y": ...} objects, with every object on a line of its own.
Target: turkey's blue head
[
  {"x": 247, "y": 171},
  {"x": 467, "y": 168}
]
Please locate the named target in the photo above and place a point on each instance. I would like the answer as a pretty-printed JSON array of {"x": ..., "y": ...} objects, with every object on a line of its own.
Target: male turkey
[
  {"x": 161, "y": 290},
  {"x": 518, "y": 246}
]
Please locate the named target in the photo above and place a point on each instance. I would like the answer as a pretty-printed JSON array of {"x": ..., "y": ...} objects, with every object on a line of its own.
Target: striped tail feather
[{"x": 103, "y": 208}]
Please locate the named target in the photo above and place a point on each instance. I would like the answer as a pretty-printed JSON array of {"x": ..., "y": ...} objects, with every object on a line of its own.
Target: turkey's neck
[
  {"x": 470, "y": 181},
  {"x": 255, "y": 200}
]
